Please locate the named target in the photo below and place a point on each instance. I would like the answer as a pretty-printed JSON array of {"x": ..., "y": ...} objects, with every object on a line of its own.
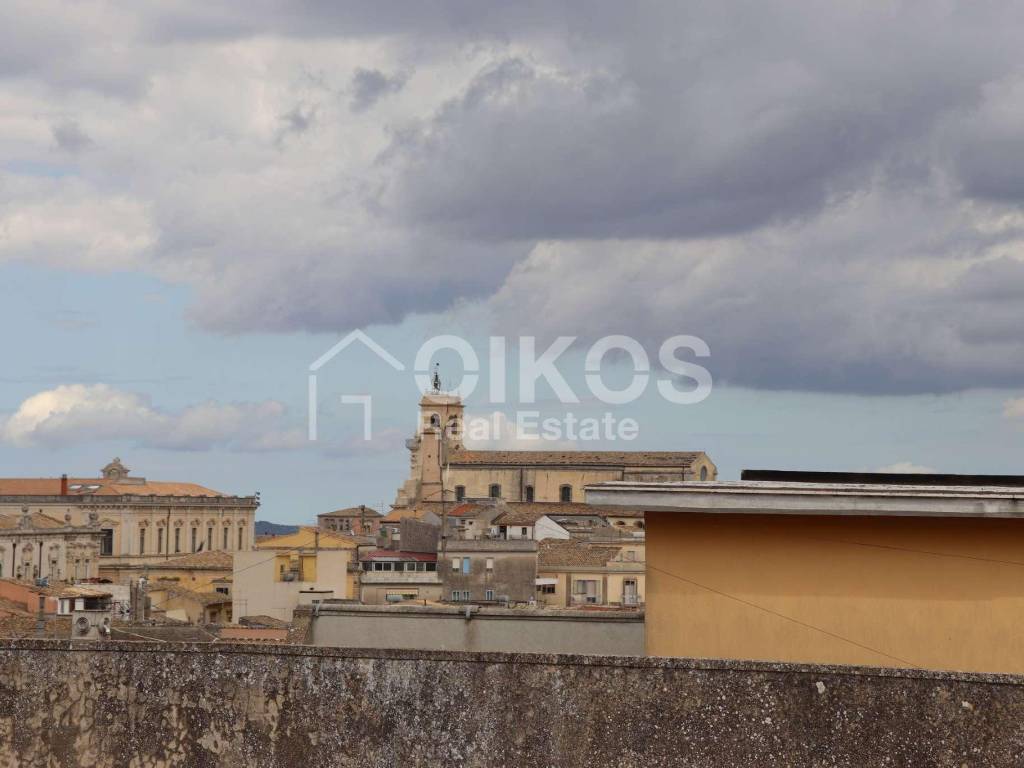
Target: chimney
[{"x": 64, "y": 485}]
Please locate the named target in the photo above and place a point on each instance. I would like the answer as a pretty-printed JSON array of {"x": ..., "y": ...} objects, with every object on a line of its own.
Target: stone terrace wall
[{"x": 150, "y": 704}]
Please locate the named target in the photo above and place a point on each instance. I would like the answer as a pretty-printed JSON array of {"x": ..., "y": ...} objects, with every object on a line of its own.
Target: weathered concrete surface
[
  {"x": 149, "y": 704},
  {"x": 488, "y": 629}
]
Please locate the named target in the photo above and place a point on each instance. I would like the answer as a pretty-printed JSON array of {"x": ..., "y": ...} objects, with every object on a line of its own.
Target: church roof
[{"x": 682, "y": 459}]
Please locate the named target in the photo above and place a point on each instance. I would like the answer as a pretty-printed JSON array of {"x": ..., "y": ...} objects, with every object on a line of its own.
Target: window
[
  {"x": 465, "y": 565},
  {"x": 546, "y": 589},
  {"x": 209, "y": 538},
  {"x": 240, "y": 530},
  {"x": 523, "y": 531},
  {"x": 225, "y": 539},
  {"x": 460, "y": 492},
  {"x": 565, "y": 493},
  {"x": 703, "y": 473},
  {"x": 489, "y": 594},
  {"x": 177, "y": 540},
  {"x": 585, "y": 590},
  {"x": 222, "y": 590},
  {"x": 195, "y": 538},
  {"x": 494, "y": 491},
  {"x": 456, "y": 564},
  {"x": 490, "y": 564},
  {"x": 529, "y": 493},
  {"x": 160, "y": 541},
  {"x": 142, "y": 541},
  {"x": 107, "y": 542},
  {"x": 432, "y": 567}
]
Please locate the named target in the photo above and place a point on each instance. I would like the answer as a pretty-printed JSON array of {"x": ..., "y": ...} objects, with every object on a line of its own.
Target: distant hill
[{"x": 266, "y": 528}]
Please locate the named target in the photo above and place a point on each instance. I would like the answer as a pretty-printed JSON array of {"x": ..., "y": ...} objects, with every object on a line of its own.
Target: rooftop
[
  {"x": 491, "y": 545},
  {"x": 682, "y": 459},
  {"x": 174, "y": 589},
  {"x": 38, "y": 520},
  {"x": 573, "y": 554},
  {"x": 212, "y": 560},
  {"x": 308, "y": 537},
  {"x": 809, "y": 498},
  {"x": 364, "y": 511},
  {"x": 528, "y": 512}
]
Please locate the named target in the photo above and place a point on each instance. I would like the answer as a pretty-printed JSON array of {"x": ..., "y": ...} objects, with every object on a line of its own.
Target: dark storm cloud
[
  {"x": 830, "y": 194},
  {"x": 70, "y": 137},
  {"x": 371, "y": 85}
]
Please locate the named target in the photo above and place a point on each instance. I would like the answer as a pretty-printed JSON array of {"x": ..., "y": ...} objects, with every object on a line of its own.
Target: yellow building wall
[{"x": 936, "y": 593}]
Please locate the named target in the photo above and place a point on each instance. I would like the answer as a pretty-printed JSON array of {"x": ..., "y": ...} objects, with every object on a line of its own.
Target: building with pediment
[{"x": 139, "y": 521}]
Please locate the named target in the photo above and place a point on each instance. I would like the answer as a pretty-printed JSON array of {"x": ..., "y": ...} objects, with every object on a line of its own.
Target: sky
[{"x": 198, "y": 200}]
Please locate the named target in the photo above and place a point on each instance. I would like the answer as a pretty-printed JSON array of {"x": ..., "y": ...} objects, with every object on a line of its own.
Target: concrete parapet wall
[
  {"x": 159, "y": 704},
  {"x": 476, "y": 628}
]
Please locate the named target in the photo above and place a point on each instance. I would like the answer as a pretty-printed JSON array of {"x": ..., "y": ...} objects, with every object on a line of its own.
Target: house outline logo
[{"x": 357, "y": 335}]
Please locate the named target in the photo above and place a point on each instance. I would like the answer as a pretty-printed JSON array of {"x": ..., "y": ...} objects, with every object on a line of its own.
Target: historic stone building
[
  {"x": 442, "y": 469},
  {"x": 139, "y": 521},
  {"x": 36, "y": 546}
]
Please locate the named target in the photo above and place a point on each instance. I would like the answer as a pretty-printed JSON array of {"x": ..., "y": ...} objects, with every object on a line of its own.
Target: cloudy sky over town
[{"x": 198, "y": 199}]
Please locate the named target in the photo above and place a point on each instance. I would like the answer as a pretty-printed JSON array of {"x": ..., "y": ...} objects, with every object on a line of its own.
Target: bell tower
[{"x": 440, "y": 429}]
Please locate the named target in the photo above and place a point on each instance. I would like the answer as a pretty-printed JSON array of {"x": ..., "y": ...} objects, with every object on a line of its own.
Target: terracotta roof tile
[
  {"x": 174, "y": 589},
  {"x": 98, "y": 486},
  {"x": 573, "y": 554},
  {"x": 211, "y": 560}
]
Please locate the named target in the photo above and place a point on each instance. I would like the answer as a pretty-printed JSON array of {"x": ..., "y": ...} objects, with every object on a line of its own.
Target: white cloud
[
  {"x": 496, "y": 431},
  {"x": 906, "y": 468},
  {"x": 1014, "y": 408},
  {"x": 86, "y": 413}
]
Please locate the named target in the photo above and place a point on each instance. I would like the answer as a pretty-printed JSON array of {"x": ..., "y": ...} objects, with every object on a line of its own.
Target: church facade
[
  {"x": 441, "y": 468},
  {"x": 139, "y": 521}
]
